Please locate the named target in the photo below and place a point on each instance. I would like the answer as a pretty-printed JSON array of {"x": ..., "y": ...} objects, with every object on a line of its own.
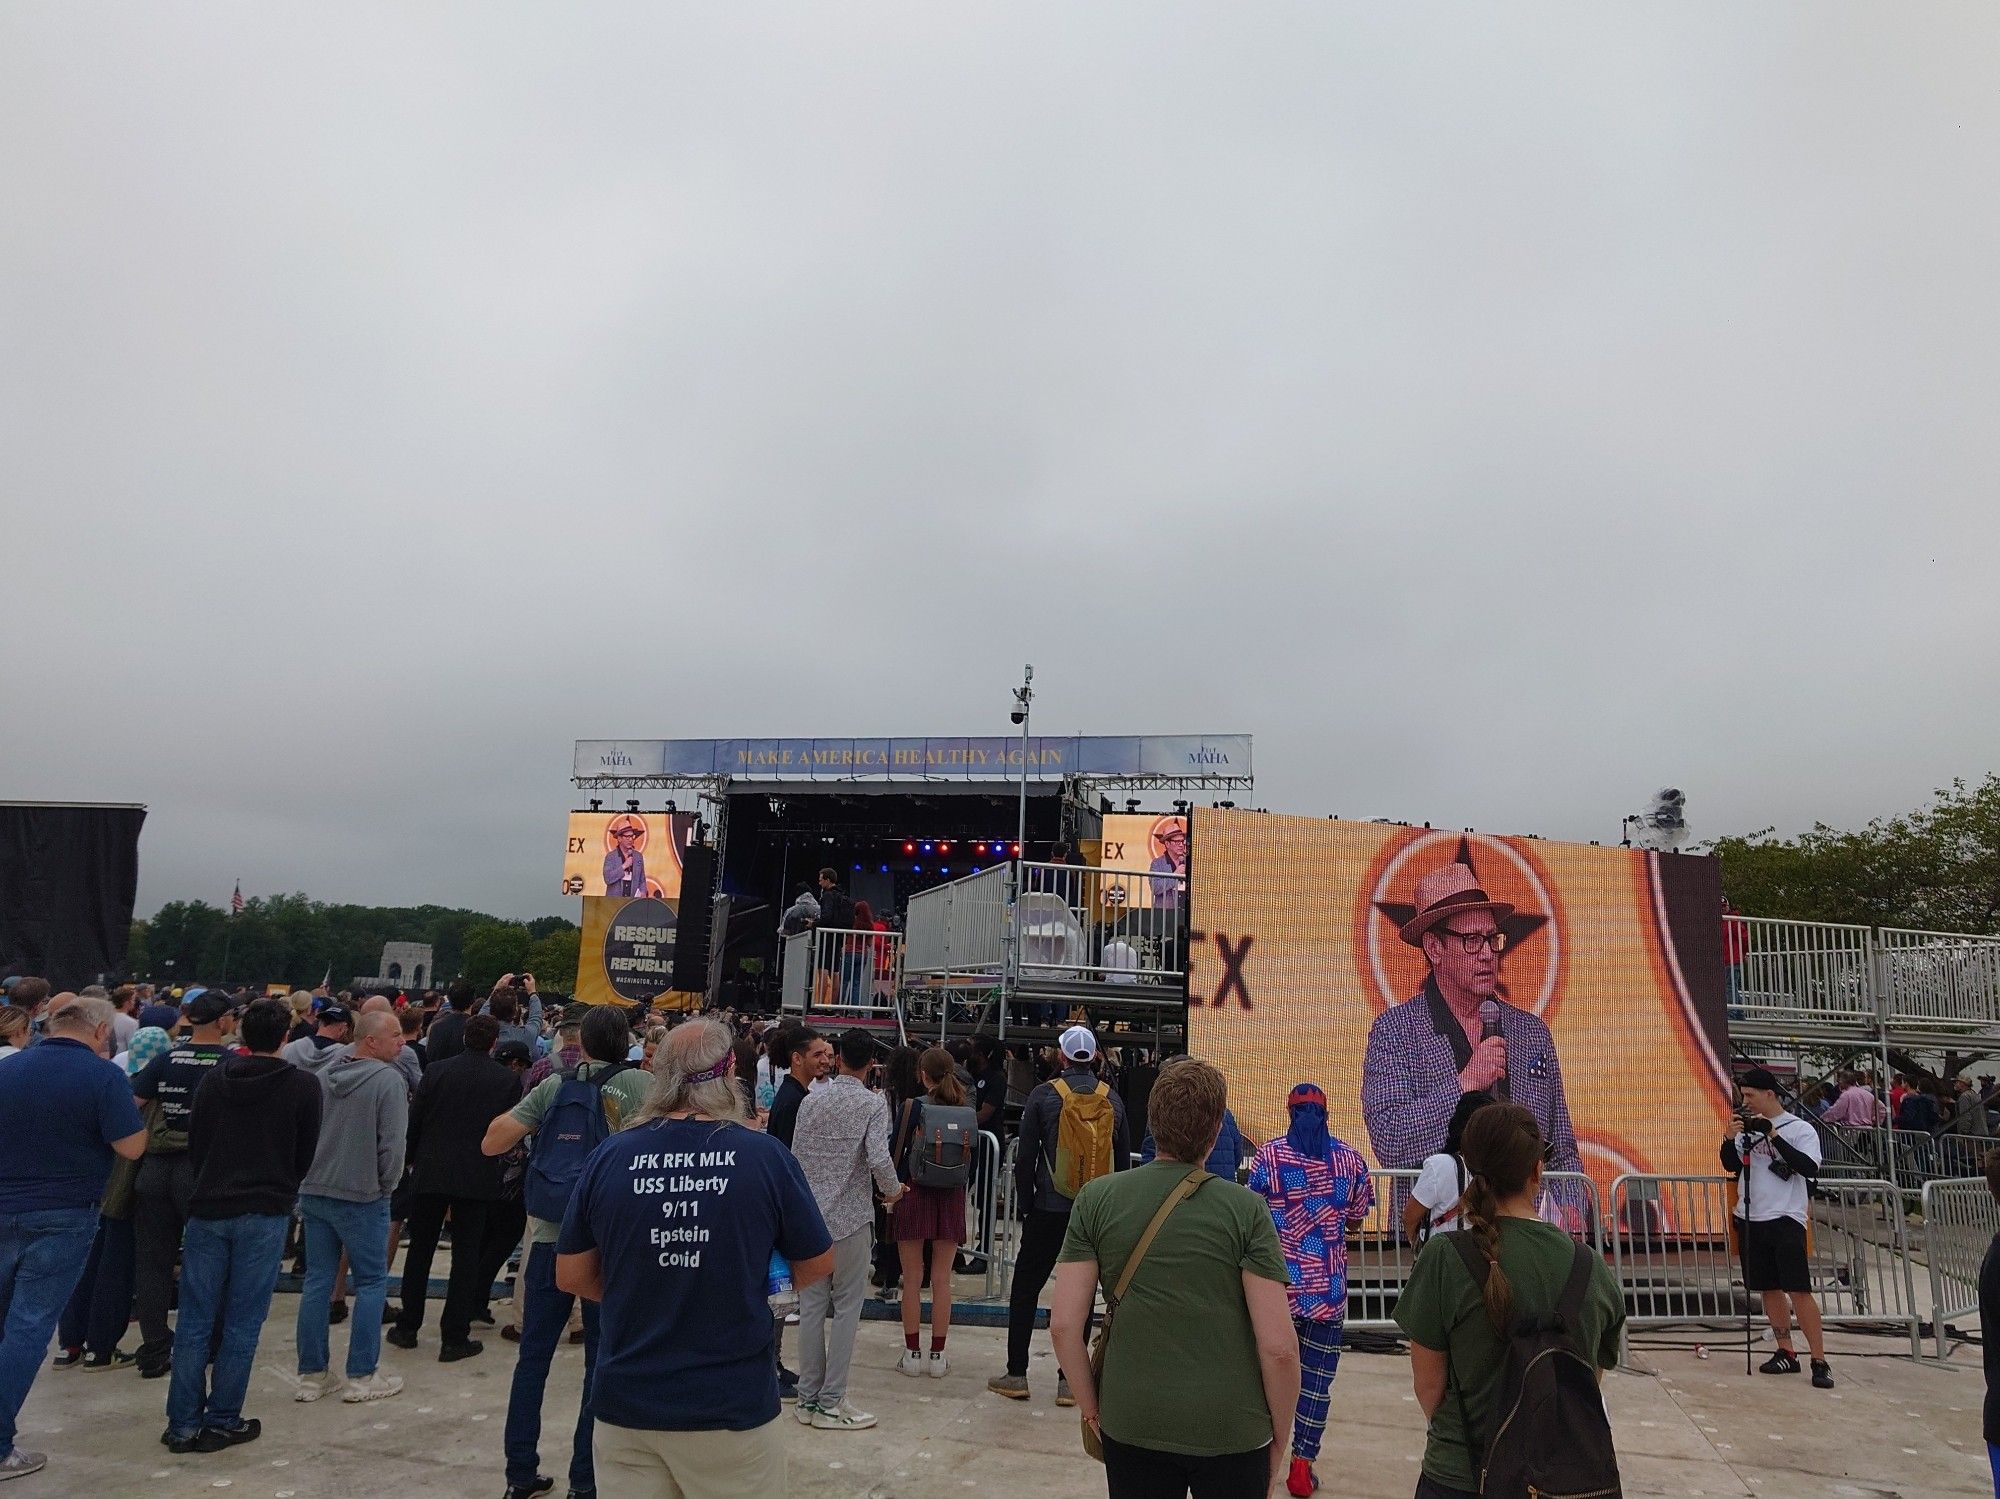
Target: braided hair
[{"x": 1503, "y": 1150}]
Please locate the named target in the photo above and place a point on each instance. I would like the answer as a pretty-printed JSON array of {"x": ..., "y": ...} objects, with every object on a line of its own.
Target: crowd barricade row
[
  {"x": 1960, "y": 1220},
  {"x": 1677, "y": 1262}
]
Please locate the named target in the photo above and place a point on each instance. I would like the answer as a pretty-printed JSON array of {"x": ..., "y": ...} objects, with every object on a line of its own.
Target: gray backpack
[{"x": 941, "y": 1145}]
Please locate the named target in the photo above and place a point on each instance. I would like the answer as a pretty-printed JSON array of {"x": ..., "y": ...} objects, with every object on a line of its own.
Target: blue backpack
[{"x": 574, "y": 1126}]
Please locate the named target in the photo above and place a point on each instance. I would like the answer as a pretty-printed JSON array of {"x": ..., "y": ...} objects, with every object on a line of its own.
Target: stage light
[
  {"x": 1017, "y": 850},
  {"x": 595, "y": 804},
  {"x": 885, "y": 869},
  {"x": 916, "y": 869},
  {"x": 857, "y": 869},
  {"x": 944, "y": 848},
  {"x": 945, "y": 870},
  {"x": 632, "y": 805},
  {"x": 975, "y": 869},
  {"x": 927, "y": 848},
  {"x": 909, "y": 848},
  {"x": 979, "y": 848}
]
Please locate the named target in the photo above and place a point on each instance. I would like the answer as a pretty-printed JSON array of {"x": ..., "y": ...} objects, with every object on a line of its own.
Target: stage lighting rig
[{"x": 632, "y": 805}]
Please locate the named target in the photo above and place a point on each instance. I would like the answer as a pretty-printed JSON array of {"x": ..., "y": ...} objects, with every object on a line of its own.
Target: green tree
[
  {"x": 137, "y": 957},
  {"x": 1937, "y": 868},
  {"x": 553, "y": 960},
  {"x": 493, "y": 948}
]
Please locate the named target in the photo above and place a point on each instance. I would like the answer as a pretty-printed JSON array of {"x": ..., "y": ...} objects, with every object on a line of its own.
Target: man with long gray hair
[{"x": 672, "y": 1229}]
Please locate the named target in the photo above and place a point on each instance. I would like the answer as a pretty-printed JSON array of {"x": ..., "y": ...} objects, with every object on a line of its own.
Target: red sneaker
[{"x": 1301, "y": 1481}]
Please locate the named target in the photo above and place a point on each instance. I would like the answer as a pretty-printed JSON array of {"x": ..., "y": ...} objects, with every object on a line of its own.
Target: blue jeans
[
  {"x": 41, "y": 1260},
  {"x": 100, "y": 1309},
  {"x": 362, "y": 1229},
  {"x": 544, "y": 1314},
  {"x": 229, "y": 1267}
]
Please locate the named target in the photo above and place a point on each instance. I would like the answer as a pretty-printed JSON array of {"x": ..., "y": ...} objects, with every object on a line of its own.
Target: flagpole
[{"x": 229, "y": 932}]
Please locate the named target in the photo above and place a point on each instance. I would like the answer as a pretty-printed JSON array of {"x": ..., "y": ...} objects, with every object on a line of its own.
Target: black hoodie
[{"x": 254, "y": 1129}]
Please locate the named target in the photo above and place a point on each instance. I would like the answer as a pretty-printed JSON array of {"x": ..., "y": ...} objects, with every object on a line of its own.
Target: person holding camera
[{"x": 1774, "y": 1156}]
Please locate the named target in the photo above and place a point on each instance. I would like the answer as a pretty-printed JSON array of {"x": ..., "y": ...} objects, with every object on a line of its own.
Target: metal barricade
[
  {"x": 1800, "y": 971},
  {"x": 1940, "y": 978},
  {"x": 1007, "y": 1224},
  {"x": 1380, "y": 1256},
  {"x": 1111, "y": 925},
  {"x": 984, "y": 1202},
  {"x": 842, "y": 971},
  {"x": 1922, "y": 1156},
  {"x": 795, "y": 973},
  {"x": 1676, "y": 1259},
  {"x": 959, "y": 928},
  {"x": 1960, "y": 1220}
]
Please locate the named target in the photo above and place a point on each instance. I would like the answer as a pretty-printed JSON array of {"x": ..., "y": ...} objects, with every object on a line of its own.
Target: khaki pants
[{"x": 635, "y": 1464}]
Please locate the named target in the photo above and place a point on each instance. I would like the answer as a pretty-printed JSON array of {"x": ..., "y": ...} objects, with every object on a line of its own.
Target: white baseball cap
[{"x": 1078, "y": 1044}]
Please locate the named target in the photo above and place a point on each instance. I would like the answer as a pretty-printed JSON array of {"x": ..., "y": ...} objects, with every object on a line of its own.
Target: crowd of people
[{"x": 681, "y": 1192}]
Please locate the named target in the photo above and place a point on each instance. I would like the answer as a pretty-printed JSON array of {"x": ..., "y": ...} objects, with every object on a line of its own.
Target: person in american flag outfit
[{"x": 1318, "y": 1187}]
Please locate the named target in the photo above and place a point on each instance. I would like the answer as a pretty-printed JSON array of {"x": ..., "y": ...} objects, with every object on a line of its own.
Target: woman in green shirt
[
  {"x": 1455, "y": 1336},
  {"x": 1201, "y": 1375}
]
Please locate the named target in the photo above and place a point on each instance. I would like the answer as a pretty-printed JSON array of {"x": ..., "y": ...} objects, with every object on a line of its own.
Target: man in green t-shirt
[
  {"x": 1201, "y": 1376},
  {"x": 544, "y": 1309},
  {"x": 1442, "y": 1310}
]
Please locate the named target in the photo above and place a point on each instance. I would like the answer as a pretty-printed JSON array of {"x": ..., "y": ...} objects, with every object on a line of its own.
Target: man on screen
[
  {"x": 1443, "y": 1041},
  {"x": 625, "y": 863},
  {"x": 1169, "y": 870}
]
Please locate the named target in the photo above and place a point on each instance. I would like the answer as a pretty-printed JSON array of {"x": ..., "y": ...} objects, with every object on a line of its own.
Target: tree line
[
  {"x": 295, "y": 940},
  {"x": 1936, "y": 868}
]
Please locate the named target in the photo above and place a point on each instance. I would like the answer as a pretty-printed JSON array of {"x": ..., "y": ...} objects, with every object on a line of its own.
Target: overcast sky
[{"x": 1498, "y": 411}]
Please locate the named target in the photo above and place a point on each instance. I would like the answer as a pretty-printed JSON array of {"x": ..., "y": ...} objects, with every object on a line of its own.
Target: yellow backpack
[{"x": 1085, "y": 1130}]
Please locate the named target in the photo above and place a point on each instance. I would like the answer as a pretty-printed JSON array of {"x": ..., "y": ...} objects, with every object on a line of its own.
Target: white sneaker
[
  {"x": 911, "y": 1363},
  {"x": 843, "y": 1417},
  {"x": 805, "y": 1412},
  {"x": 377, "y": 1386},
  {"x": 937, "y": 1366},
  {"x": 791, "y": 1319},
  {"x": 312, "y": 1386}
]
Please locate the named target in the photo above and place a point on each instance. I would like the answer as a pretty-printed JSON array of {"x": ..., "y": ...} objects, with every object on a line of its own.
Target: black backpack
[{"x": 1547, "y": 1435}]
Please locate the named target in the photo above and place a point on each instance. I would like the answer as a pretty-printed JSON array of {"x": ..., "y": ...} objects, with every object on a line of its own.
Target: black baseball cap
[
  {"x": 209, "y": 1006},
  {"x": 1757, "y": 1077},
  {"x": 334, "y": 1015}
]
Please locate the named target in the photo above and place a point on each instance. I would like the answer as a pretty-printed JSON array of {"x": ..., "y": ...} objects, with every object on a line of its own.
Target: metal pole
[{"x": 1010, "y": 977}]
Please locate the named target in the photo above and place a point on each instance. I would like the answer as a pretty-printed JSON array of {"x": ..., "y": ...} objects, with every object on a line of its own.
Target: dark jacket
[
  {"x": 784, "y": 1118},
  {"x": 445, "y": 1039},
  {"x": 1038, "y": 1141},
  {"x": 836, "y": 911},
  {"x": 1989, "y": 1353},
  {"x": 252, "y": 1136},
  {"x": 459, "y": 1098}
]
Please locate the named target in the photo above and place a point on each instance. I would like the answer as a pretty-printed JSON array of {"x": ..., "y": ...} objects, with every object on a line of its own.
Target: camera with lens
[{"x": 1017, "y": 716}]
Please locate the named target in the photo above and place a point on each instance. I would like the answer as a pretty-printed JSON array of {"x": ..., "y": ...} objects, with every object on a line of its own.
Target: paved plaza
[{"x": 1685, "y": 1426}]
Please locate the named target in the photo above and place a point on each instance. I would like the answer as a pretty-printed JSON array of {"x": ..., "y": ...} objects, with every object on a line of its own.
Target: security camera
[{"x": 1017, "y": 716}]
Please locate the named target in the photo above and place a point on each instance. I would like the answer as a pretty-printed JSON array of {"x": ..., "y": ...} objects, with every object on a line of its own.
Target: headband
[
  {"x": 1306, "y": 1093},
  {"x": 724, "y": 1065}
]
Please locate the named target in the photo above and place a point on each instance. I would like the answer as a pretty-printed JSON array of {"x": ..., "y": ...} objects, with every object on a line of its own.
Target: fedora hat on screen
[{"x": 1448, "y": 892}]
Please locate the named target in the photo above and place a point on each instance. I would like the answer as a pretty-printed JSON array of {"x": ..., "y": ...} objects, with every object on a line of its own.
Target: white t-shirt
[
  {"x": 1765, "y": 1194},
  {"x": 1439, "y": 1186}
]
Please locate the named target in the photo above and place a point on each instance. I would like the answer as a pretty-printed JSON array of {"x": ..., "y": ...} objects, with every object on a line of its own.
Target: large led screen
[
  {"x": 1361, "y": 956},
  {"x": 627, "y": 854}
]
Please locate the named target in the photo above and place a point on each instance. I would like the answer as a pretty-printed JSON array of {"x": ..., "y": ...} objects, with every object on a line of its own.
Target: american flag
[{"x": 236, "y": 900}]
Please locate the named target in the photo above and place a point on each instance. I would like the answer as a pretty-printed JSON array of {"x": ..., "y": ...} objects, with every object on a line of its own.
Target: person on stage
[
  {"x": 625, "y": 864},
  {"x": 1443, "y": 1042}
]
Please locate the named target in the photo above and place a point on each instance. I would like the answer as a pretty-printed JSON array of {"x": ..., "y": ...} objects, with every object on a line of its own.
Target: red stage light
[
  {"x": 909, "y": 848},
  {"x": 1017, "y": 850},
  {"x": 979, "y": 848},
  {"x": 944, "y": 848}
]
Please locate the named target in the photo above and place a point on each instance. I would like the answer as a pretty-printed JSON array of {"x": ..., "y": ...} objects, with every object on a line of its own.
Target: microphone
[{"x": 1489, "y": 1017}]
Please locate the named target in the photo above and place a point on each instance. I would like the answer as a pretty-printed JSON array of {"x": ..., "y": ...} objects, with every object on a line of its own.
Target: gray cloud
[{"x": 1496, "y": 411}]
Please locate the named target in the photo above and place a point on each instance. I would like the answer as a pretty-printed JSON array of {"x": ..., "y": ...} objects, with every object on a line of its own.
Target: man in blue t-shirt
[
  {"x": 671, "y": 1228},
  {"x": 64, "y": 1112}
]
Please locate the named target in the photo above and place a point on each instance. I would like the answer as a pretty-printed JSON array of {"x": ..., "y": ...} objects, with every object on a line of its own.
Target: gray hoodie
[{"x": 363, "y": 1130}]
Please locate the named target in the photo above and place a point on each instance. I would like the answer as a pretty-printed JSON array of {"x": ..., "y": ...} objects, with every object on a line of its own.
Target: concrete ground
[{"x": 1685, "y": 1426}]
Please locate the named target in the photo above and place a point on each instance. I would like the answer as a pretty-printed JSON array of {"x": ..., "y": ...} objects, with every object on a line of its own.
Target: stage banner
[
  {"x": 1143, "y": 843},
  {"x": 1310, "y": 963},
  {"x": 626, "y": 955},
  {"x": 1000, "y": 757},
  {"x": 626, "y": 853},
  {"x": 68, "y": 874}
]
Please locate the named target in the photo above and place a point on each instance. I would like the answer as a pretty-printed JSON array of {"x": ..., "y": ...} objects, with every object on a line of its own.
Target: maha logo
[{"x": 1392, "y": 970}]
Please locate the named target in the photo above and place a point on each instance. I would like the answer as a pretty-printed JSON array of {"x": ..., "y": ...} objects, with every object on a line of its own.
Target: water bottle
[{"x": 778, "y": 1289}]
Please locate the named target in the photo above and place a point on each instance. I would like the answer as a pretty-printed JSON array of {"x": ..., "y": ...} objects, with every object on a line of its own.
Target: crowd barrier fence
[{"x": 1960, "y": 1220}]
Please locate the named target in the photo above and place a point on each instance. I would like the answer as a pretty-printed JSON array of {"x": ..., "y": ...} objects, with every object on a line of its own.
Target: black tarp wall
[{"x": 68, "y": 875}]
